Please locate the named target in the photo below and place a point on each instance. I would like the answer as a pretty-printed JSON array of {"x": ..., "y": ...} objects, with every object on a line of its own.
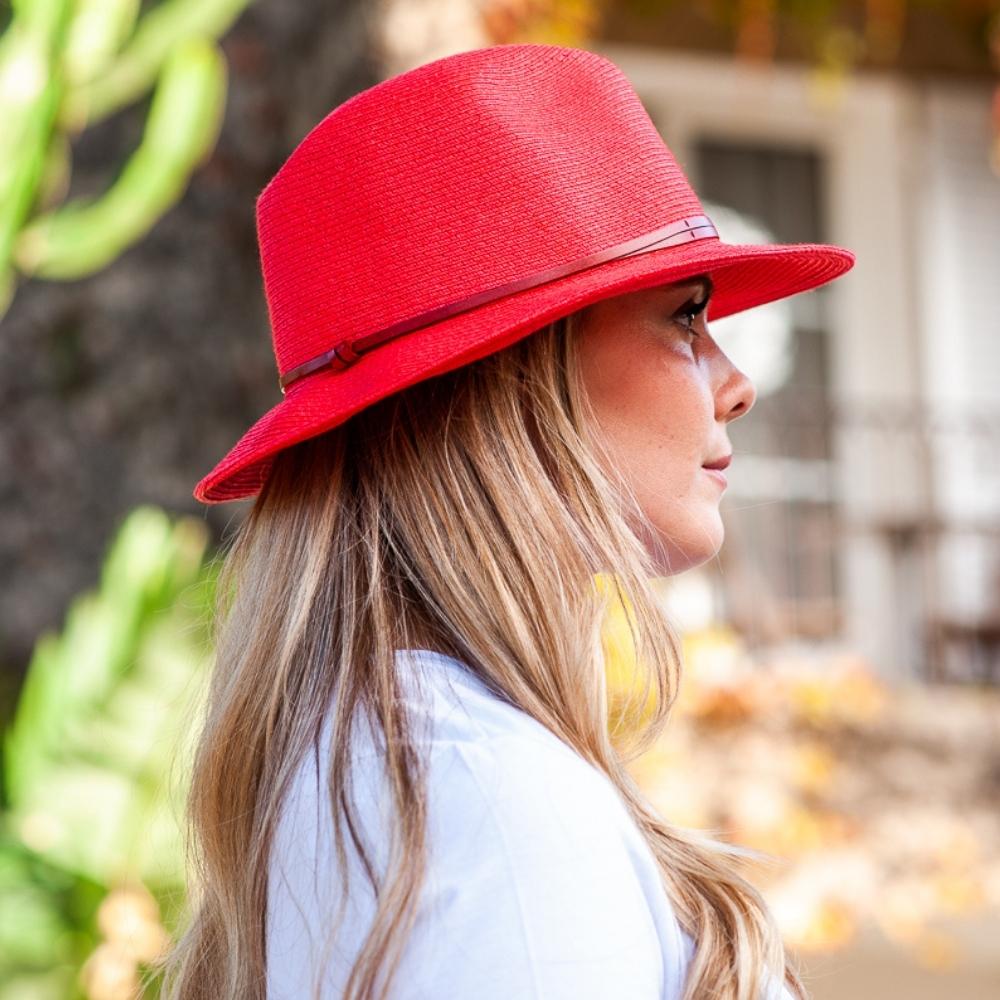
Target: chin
[{"x": 674, "y": 552}]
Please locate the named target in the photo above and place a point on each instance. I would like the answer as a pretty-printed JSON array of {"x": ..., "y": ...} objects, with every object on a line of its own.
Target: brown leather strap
[{"x": 346, "y": 352}]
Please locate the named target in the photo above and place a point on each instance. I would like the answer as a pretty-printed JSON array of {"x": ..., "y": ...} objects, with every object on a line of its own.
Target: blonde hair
[{"x": 466, "y": 514}]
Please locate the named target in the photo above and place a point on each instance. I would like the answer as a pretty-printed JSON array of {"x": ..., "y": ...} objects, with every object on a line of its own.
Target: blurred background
[{"x": 841, "y": 703}]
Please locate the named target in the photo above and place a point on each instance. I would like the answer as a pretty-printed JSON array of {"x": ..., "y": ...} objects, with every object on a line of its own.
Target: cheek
[{"x": 657, "y": 421}]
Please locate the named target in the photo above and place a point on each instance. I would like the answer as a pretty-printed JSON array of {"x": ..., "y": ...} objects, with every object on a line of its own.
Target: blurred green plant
[
  {"x": 67, "y": 64},
  {"x": 95, "y": 766}
]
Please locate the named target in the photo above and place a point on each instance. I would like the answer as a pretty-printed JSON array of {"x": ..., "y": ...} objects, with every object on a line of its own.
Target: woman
[{"x": 488, "y": 283}]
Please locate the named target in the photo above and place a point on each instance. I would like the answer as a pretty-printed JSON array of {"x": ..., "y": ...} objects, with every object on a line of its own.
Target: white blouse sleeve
[{"x": 531, "y": 892}]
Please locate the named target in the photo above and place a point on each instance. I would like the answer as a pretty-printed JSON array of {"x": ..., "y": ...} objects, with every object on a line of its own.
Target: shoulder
[
  {"x": 533, "y": 857},
  {"x": 531, "y": 885},
  {"x": 537, "y": 879},
  {"x": 527, "y": 794},
  {"x": 502, "y": 756}
]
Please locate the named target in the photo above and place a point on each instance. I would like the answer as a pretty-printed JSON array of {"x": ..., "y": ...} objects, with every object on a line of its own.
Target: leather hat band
[{"x": 347, "y": 352}]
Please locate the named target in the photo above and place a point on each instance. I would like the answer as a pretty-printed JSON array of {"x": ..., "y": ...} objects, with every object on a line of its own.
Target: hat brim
[{"x": 743, "y": 275}]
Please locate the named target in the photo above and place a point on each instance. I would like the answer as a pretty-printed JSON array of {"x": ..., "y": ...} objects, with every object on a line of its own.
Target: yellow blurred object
[
  {"x": 812, "y": 766},
  {"x": 864, "y": 696},
  {"x": 852, "y": 694},
  {"x": 831, "y": 926},
  {"x": 720, "y": 706},
  {"x": 812, "y": 699},
  {"x": 959, "y": 893},
  {"x": 802, "y": 831},
  {"x": 655, "y": 763},
  {"x": 628, "y": 710},
  {"x": 566, "y": 22}
]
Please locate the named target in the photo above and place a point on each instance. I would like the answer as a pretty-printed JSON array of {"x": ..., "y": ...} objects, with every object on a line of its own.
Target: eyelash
[{"x": 691, "y": 310}]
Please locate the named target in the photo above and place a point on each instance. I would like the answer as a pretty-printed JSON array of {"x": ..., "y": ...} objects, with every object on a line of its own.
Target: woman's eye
[{"x": 688, "y": 313}]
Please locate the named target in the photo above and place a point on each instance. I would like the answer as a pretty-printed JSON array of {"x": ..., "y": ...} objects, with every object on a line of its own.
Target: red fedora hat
[{"x": 445, "y": 213}]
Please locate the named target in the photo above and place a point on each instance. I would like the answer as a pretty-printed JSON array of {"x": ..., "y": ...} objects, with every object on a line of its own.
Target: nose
[{"x": 736, "y": 396}]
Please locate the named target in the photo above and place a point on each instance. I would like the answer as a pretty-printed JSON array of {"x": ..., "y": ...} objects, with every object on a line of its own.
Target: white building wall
[{"x": 960, "y": 336}]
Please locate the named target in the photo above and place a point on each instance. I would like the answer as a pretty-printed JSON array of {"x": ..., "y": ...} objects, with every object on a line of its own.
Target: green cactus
[{"x": 66, "y": 64}]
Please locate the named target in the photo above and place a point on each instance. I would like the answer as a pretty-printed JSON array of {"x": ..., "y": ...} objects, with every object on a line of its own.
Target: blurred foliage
[
  {"x": 869, "y": 30},
  {"x": 835, "y": 36},
  {"x": 66, "y": 65},
  {"x": 549, "y": 22},
  {"x": 879, "y": 803},
  {"x": 95, "y": 766}
]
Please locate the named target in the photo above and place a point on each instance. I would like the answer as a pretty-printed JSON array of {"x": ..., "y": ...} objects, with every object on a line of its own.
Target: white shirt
[{"x": 540, "y": 885}]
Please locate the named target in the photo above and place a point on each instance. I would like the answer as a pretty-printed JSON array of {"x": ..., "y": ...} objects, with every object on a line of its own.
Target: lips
[{"x": 719, "y": 463}]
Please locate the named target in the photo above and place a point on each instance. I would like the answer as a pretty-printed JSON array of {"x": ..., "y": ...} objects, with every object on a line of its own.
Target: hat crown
[{"x": 468, "y": 172}]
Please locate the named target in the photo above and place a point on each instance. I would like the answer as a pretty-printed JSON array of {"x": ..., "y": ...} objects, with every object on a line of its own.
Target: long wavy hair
[{"x": 445, "y": 517}]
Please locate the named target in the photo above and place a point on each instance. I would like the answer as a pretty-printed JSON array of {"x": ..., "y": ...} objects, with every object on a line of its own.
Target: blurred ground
[{"x": 869, "y": 970}]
